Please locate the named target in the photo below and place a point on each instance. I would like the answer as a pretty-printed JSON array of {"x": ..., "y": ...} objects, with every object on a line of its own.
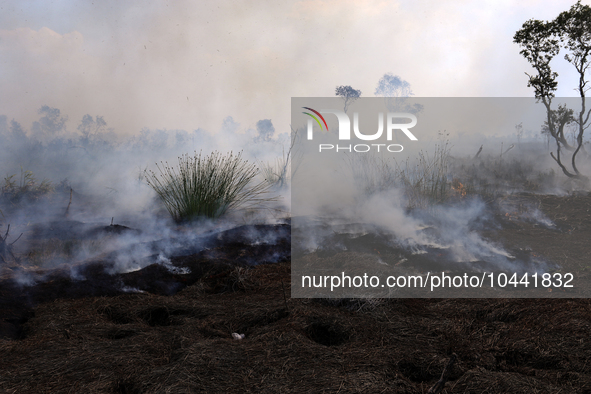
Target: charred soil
[{"x": 159, "y": 330}]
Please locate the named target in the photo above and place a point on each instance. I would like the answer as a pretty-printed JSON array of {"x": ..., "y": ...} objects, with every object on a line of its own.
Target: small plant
[
  {"x": 277, "y": 173},
  {"x": 425, "y": 182},
  {"x": 141, "y": 176},
  {"x": 240, "y": 279},
  {"x": 207, "y": 186},
  {"x": 26, "y": 186},
  {"x": 374, "y": 173}
]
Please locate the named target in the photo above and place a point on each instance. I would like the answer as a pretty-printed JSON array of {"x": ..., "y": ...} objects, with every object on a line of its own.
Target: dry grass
[
  {"x": 207, "y": 186},
  {"x": 425, "y": 181},
  {"x": 144, "y": 343}
]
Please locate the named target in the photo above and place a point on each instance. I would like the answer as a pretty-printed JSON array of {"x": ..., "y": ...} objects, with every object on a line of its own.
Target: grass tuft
[
  {"x": 207, "y": 186},
  {"x": 425, "y": 181},
  {"x": 276, "y": 173}
]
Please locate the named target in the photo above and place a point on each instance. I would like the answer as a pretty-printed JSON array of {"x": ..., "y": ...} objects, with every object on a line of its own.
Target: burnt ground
[{"x": 88, "y": 333}]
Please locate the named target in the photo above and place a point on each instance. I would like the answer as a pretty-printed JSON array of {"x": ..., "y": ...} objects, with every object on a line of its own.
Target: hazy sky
[{"x": 189, "y": 64}]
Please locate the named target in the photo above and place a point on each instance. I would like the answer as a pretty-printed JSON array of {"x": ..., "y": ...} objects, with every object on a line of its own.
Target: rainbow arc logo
[{"x": 315, "y": 118}]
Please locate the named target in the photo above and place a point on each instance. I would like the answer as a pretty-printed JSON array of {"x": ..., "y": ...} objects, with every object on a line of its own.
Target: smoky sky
[{"x": 188, "y": 65}]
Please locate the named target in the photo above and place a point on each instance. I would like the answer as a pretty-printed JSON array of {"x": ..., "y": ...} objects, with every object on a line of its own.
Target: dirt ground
[{"x": 67, "y": 335}]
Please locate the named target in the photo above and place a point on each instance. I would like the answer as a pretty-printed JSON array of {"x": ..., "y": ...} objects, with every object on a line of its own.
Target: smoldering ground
[
  {"x": 430, "y": 206},
  {"x": 100, "y": 204},
  {"x": 151, "y": 335},
  {"x": 79, "y": 220},
  {"x": 71, "y": 196}
]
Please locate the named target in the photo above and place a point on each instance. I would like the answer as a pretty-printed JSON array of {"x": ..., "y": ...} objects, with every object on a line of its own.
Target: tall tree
[
  {"x": 90, "y": 127},
  {"x": 396, "y": 92},
  {"x": 391, "y": 85},
  {"x": 541, "y": 41},
  {"x": 265, "y": 129},
  {"x": 51, "y": 122},
  {"x": 348, "y": 94}
]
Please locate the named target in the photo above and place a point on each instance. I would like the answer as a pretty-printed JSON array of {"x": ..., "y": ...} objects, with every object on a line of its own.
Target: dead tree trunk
[
  {"x": 70, "y": 203},
  {"x": 2, "y": 250},
  {"x": 5, "y": 249}
]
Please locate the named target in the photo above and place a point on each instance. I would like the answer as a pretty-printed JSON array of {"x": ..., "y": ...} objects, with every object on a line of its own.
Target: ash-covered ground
[
  {"x": 164, "y": 321},
  {"x": 101, "y": 292}
]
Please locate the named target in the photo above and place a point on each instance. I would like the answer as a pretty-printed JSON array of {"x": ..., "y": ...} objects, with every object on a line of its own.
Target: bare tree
[
  {"x": 348, "y": 94},
  {"x": 541, "y": 42}
]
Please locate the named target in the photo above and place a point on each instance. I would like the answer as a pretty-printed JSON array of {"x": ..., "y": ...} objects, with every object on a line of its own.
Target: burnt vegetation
[
  {"x": 194, "y": 304},
  {"x": 168, "y": 325},
  {"x": 93, "y": 306}
]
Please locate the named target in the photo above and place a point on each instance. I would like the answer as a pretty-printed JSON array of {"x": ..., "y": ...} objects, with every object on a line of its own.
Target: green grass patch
[{"x": 208, "y": 186}]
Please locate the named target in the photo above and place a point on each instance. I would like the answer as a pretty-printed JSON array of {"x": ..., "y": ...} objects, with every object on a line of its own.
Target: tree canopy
[
  {"x": 541, "y": 42},
  {"x": 348, "y": 94}
]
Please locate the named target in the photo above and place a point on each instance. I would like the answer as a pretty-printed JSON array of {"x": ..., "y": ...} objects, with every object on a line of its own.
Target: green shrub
[
  {"x": 25, "y": 187},
  {"x": 207, "y": 186}
]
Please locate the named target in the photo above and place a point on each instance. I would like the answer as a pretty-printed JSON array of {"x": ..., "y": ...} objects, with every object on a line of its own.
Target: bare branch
[
  {"x": 19, "y": 237},
  {"x": 6, "y": 235},
  {"x": 438, "y": 387},
  {"x": 70, "y": 203}
]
